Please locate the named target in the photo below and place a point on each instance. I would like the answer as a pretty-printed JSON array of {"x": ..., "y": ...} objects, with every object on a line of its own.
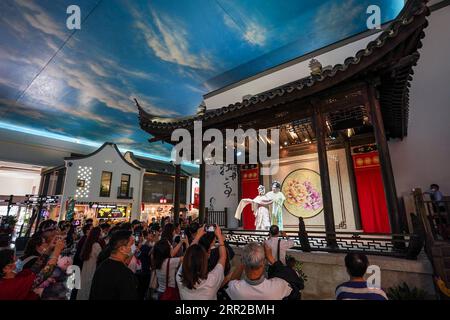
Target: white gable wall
[{"x": 106, "y": 160}]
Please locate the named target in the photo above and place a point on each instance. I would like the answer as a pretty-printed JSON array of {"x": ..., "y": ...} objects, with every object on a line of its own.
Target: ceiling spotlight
[{"x": 285, "y": 143}]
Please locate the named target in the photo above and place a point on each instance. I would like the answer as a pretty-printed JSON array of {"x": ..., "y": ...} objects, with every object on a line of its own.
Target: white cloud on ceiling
[
  {"x": 253, "y": 32},
  {"x": 337, "y": 18},
  {"x": 86, "y": 75},
  {"x": 169, "y": 41}
]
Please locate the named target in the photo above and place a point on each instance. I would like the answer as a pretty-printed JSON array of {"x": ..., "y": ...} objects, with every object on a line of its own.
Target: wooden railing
[
  {"x": 435, "y": 217},
  {"x": 396, "y": 245},
  {"x": 435, "y": 220},
  {"x": 216, "y": 217}
]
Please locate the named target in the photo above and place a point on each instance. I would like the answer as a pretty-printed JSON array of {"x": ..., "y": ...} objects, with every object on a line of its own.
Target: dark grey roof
[{"x": 161, "y": 167}]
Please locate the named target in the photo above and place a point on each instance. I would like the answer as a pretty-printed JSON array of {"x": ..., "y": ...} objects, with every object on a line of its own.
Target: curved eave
[
  {"x": 100, "y": 149},
  {"x": 411, "y": 20}
]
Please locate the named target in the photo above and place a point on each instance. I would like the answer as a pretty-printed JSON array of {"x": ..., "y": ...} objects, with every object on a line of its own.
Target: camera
[{"x": 210, "y": 228}]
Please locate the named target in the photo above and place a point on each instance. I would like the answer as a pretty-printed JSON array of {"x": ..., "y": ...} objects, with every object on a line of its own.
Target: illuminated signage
[{"x": 112, "y": 213}]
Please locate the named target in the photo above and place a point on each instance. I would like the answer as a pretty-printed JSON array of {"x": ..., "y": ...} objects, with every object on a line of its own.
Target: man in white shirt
[
  {"x": 255, "y": 286},
  {"x": 275, "y": 241}
]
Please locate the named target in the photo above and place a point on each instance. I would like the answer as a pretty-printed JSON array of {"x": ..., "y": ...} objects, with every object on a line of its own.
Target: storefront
[
  {"x": 102, "y": 212},
  {"x": 158, "y": 189}
]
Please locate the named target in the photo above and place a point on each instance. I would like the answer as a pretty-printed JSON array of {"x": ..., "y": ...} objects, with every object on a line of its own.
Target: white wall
[
  {"x": 215, "y": 187},
  {"x": 106, "y": 160},
  {"x": 422, "y": 157},
  {"x": 18, "y": 183}
]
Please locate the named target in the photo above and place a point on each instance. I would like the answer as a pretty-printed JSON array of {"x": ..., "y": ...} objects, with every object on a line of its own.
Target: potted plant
[
  {"x": 404, "y": 292},
  {"x": 7, "y": 225},
  {"x": 298, "y": 267}
]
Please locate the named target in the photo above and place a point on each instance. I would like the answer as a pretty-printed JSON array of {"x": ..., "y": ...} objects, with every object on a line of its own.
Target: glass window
[
  {"x": 158, "y": 186},
  {"x": 124, "y": 185},
  {"x": 105, "y": 187}
]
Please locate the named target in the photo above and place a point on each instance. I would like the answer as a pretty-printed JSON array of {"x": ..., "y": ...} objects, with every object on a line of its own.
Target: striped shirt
[{"x": 358, "y": 290}]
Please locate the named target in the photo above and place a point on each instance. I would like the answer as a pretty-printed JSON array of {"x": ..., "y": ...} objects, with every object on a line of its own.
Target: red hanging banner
[
  {"x": 372, "y": 200},
  {"x": 249, "y": 187}
]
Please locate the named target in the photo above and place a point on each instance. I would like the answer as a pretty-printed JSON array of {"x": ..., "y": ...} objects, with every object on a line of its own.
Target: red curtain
[
  {"x": 249, "y": 187},
  {"x": 372, "y": 200}
]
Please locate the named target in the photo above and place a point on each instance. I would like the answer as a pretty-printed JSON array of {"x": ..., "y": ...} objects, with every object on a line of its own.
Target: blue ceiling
[{"x": 166, "y": 53}]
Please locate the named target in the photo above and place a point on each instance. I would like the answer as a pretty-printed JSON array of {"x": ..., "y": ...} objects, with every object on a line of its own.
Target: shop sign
[
  {"x": 32, "y": 199},
  {"x": 104, "y": 206},
  {"x": 112, "y": 213}
]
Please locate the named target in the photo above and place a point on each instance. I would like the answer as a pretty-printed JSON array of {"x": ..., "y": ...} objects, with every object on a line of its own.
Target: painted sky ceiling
[{"x": 168, "y": 54}]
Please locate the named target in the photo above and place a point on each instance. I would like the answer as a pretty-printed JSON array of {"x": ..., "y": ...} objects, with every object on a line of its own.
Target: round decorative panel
[{"x": 303, "y": 193}]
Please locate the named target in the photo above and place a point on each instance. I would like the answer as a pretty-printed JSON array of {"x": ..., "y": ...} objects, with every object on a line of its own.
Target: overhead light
[
  {"x": 285, "y": 143},
  {"x": 46, "y": 134},
  {"x": 239, "y": 154}
]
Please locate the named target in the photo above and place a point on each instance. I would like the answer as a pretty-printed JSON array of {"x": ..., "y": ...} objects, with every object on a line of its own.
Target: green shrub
[
  {"x": 298, "y": 268},
  {"x": 404, "y": 292}
]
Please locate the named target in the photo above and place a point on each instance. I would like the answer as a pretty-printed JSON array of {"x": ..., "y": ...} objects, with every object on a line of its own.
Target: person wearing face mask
[
  {"x": 113, "y": 280},
  {"x": 22, "y": 285},
  {"x": 105, "y": 227},
  {"x": 35, "y": 247}
]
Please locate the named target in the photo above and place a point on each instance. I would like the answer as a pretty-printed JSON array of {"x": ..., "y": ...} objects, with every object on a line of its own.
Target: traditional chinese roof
[
  {"x": 156, "y": 166},
  {"x": 389, "y": 58}
]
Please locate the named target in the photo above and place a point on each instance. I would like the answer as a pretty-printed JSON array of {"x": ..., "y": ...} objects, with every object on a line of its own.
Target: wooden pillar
[
  {"x": 176, "y": 205},
  {"x": 352, "y": 181},
  {"x": 202, "y": 204},
  {"x": 385, "y": 159},
  {"x": 319, "y": 127}
]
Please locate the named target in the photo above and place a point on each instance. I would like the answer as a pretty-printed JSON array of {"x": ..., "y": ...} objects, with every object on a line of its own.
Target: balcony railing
[{"x": 124, "y": 194}]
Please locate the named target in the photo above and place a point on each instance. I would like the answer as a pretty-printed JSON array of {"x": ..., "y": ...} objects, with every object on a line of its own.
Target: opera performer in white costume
[
  {"x": 260, "y": 208},
  {"x": 278, "y": 198}
]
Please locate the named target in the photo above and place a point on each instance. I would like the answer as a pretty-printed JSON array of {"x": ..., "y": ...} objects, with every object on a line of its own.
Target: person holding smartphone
[{"x": 193, "y": 279}]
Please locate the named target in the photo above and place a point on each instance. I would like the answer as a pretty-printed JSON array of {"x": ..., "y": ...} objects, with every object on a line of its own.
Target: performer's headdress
[
  {"x": 276, "y": 184},
  {"x": 261, "y": 188}
]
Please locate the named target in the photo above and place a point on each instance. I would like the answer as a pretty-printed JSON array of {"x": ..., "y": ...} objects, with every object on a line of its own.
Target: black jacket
[{"x": 278, "y": 270}]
